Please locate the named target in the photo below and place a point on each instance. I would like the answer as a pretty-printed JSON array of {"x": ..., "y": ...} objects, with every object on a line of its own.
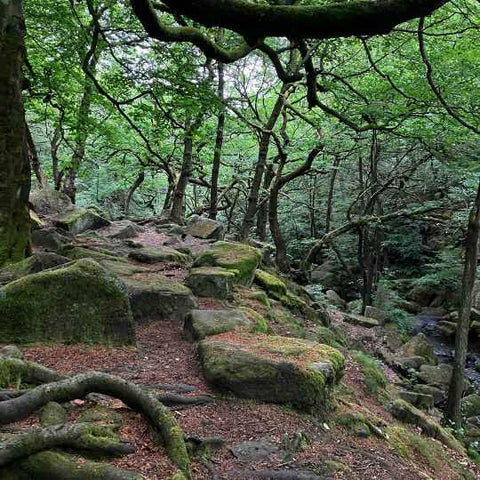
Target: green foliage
[{"x": 374, "y": 377}]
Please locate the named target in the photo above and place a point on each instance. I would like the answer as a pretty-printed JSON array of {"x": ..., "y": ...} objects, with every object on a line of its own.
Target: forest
[{"x": 239, "y": 239}]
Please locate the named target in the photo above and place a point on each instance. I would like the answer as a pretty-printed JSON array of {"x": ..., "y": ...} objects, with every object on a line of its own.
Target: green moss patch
[
  {"x": 80, "y": 302},
  {"x": 242, "y": 259}
]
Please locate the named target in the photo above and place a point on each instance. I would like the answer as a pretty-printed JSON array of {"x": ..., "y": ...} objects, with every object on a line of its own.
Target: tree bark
[
  {"x": 463, "y": 324},
  {"x": 34, "y": 160},
  {"x": 14, "y": 165},
  {"x": 138, "y": 181},
  {"x": 217, "y": 155},
  {"x": 177, "y": 214},
  {"x": 82, "y": 128},
  {"x": 262, "y": 214}
]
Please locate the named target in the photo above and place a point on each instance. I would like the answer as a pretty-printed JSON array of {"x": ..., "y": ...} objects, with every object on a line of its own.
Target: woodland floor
[{"x": 164, "y": 356}]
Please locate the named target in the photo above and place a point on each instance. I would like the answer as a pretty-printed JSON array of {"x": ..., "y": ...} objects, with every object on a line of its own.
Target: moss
[
  {"x": 273, "y": 368},
  {"x": 177, "y": 450},
  {"x": 272, "y": 284},
  {"x": 54, "y": 465},
  {"x": 101, "y": 415},
  {"x": 260, "y": 324},
  {"x": 331, "y": 336},
  {"x": 80, "y": 302},
  {"x": 52, "y": 414},
  {"x": 261, "y": 297},
  {"x": 237, "y": 257},
  {"x": 374, "y": 377}
]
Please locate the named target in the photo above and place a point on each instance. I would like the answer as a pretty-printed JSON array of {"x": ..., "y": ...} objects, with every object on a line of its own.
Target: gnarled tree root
[
  {"x": 86, "y": 437},
  {"x": 133, "y": 396},
  {"x": 13, "y": 370},
  {"x": 52, "y": 465}
]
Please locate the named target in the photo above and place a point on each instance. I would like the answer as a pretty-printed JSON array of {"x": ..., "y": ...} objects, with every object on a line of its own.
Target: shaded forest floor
[{"x": 164, "y": 356}]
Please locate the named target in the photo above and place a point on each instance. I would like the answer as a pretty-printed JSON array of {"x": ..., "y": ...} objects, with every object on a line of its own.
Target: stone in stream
[
  {"x": 238, "y": 258},
  {"x": 205, "y": 323},
  {"x": 447, "y": 329},
  {"x": 436, "y": 375},
  {"x": 272, "y": 368},
  {"x": 76, "y": 302},
  {"x": 214, "y": 282},
  {"x": 419, "y": 346}
]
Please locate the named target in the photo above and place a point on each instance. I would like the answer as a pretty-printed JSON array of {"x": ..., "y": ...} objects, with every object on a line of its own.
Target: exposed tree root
[
  {"x": 86, "y": 437},
  {"x": 51, "y": 465},
  {"x": 14, "y": 370},
  {"x": 133, "y": 396},
  {"x": 173, "y": 400},
  {"x": 9, "y": 394},
  {"x": 278, "y": 475}
]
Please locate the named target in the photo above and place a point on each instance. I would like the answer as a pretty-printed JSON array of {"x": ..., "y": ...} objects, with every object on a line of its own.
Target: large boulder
[
  {"x": 421, "y": 347},
  {"x": 471, "y": 405},
  {"x": 205, "y": 228},
  {"x": 122, "y": 230},
  {"x": 407, "y": 413},
  {"x": 272, "y": 368},
  {"x": 76, "y": 302},
  {"x": 80, "y": 220},
  {"x": 159, "y": 298},
  {"x": 240, "y": 259},
  {"x": 49, "y": 239},
  {"x": 36, "y": 263},
  {"x": 47, "y": 201},
  {"x": 336, "y": 300},
  {"x": 205, "y": 323},
  {"x": 360, "y": 320},
  {"x": 274, "y": 287},
  {"x": 439, "y": 376},
  {"x": 158, "y": 254},
  {"x": 214, "y": 282}
]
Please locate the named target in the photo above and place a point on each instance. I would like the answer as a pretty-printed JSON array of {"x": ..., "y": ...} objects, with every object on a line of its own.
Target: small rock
[
  {"x": 11, "y": 351},
  {"x": 360, "y": 320},
  {"x": 52, "y": 414},
  {"x": 376, "y": 313},
  {"x": 335, "y": 299},
  {"x": 205, "y": 228},
  {"x": 419, "y": 346},
  {"x": 214, "y": 282},
  {"x": 204, "y": 323}
]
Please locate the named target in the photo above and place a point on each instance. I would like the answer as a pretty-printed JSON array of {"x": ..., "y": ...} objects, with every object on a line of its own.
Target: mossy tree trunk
[
  {"x": 463, "y": 325},
  {"x": 14, "y": 166}
]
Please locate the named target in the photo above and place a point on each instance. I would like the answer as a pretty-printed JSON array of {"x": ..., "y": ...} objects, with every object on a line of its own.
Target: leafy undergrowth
[{"x": 164, "y": 356}]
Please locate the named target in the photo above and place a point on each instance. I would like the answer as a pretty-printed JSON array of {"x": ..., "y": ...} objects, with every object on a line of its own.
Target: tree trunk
[
  {"x": 34, "y": 160},
  {"x": 331, "y": 190},
  {"x": 217, "y": 156},
  {"x": 54, "y": 146},
  {"x": 139, "y": 180},
  {"x": 463, "y": 325},
  {"x": 279, "y": 240},
  {"x": 260, "y": 167},
  {"x": 81, "y": 134},
  {"x": 14, "y": 166},
  {"x": 262, "y": 215},
  {"x": 178, "y": 203}
]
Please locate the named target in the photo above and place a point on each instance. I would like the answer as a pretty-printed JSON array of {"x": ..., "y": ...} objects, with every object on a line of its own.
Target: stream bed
[{"x": 444, "y": 348}]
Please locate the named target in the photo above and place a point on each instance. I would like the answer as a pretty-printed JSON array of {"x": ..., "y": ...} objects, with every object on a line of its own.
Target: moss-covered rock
[
  {"x": 436, "y": 375},
  {"x": 159, "y": 298},
  {"x": 407, "y": 413},
  {"x": 214, "y": 282},
  {"x": 158, "y": 254},
  {"x": 360, "y": 320},
  {"x": 77, "y": 302},
  {"x": 100, "y": 256},
  {"x": 241, "y": 259},
  {"x": 200, "y": 324},
  {"x": 271, "y": 284},
  {"x": 272, "y": 368},
  {"x": 419, "y": 346},
  {"x": 80, "y": 220},
  {"x": 36, "y": 263},
  {"x": 49, "y": 239},
  {"x": 471, "y": 405},
  {"x": 47, "y": 201},
  {"x": 205, "y": 228}
]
